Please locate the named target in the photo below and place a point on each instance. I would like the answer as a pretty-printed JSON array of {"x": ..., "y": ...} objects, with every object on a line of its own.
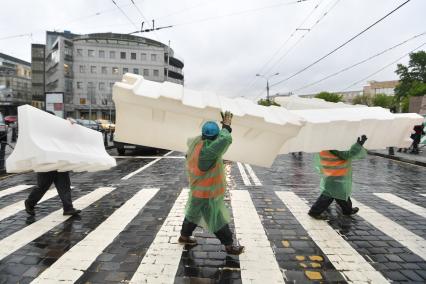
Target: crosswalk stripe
[
  {"x": 253, "y": 175},
  {"x": 258, "y": 263},
  {"x": 161, "y": 261},
  {"x": 14, "y": 189},
  {"x": 14, "y": 208},
  {"x": 423, "y": 194},
  {"x": 22, "y": 237},
  {"x": 144, "y": 167},
  {"x": 344, "y": 258},
  {"x": 403, "y": 203},
  {"x": 73, "y": 263},
  {"x": 243, "y": 174},
  {"x": 412, "y": 241}
]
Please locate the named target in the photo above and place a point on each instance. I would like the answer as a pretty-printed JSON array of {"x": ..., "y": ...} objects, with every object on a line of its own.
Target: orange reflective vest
[
  {"x": 333, "y": 166},
  {"x": 204, "y": 184}
]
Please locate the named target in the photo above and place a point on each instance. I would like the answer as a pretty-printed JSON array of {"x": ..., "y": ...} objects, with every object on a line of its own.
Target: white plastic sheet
[{"x": 47, "y": 143}]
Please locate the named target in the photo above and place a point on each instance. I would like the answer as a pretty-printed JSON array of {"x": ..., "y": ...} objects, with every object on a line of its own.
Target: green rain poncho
[
  {"x": 211, "y": 212},
  {"x": 335, "y": 168}
]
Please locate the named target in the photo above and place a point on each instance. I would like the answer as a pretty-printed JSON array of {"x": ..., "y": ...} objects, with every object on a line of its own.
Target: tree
[
  {"x": 412, "y": 79},
  {"x": 265, "y": 102},
  {"x": 362, "y": 100},
  {"x": 382, "y": 100},
  {"x": 329, "y": 97}
]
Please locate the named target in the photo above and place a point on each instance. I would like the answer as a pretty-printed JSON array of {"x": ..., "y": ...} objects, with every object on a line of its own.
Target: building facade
[
  {"x": 37, "y": 75},
  {"x": 384, "y": 87},
  {"x": 15, "y": 84},
  {"x": 85, "y": 67}
]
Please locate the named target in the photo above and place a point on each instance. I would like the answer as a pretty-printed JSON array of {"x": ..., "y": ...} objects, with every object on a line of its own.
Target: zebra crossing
[{"x": 161, "y": 261}]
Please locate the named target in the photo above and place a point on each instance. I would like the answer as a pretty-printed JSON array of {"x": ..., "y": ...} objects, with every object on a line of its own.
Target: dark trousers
[
  {"x": 224, "y": 234},
  {"x": 45, "y": 180},
  {"x": 324, "y": 201}
]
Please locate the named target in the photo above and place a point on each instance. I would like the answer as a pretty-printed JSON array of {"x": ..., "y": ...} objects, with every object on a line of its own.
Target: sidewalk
[{"x": 419, "y": 159}]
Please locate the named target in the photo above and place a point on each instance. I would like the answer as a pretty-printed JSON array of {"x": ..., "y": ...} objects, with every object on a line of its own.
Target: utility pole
[
  {"x": 267, "y": 83},
  {"x": 90, "y": 90}
]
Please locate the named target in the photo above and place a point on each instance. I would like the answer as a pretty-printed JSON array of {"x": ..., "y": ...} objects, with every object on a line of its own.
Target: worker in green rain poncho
[
  {"x": 206, "y": 206},
  {"x": 336, "y": 178}
]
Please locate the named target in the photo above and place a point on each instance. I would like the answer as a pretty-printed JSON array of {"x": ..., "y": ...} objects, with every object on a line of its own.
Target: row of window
[
  {"x": 91, "y": 85},
  {"x": 112, "y": 54},
  {"x": 115, "y": 71}
]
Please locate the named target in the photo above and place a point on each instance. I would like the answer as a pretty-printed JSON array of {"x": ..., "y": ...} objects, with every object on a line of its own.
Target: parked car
[
  {"x": 89, "y": 124},
  {"x": 106, "y": 125},
  {"x": 3, "y": 129},
  {"x": 10, "y": 119}
]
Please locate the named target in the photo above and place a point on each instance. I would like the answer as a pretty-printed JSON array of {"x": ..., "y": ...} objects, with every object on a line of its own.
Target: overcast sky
[{"x": 225, "y": 43}]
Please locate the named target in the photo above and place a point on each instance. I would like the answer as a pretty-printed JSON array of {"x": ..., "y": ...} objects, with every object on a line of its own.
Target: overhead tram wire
[
  {"x": 254, "y": 79},
  {"x": 358, "y": 63},
  {"x": 16, "y": 36},
  {"x": 342, "y": 45},
  {"x": 381, "y": 69},
  {"x": 121, "y": 10}
]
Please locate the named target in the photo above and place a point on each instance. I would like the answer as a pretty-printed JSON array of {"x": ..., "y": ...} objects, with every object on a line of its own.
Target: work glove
[
  {"x": 361, "y": 140},
  {"x": 226, "y": 118}
]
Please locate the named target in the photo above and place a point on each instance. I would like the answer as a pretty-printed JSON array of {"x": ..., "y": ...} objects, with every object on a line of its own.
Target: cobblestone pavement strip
[{"x": 396, "y": 191}]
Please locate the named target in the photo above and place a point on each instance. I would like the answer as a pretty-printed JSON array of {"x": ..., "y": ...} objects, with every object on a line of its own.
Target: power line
[
  {"x": 384, "y": 67},
  {"x": 16, "y": 36},
  {"x": 342, "y": 45},
  {"x": 121, "y": 10},
  {"x": 358, "y": 63}
]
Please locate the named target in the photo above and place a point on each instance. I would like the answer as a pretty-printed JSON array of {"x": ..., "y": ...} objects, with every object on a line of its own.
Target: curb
[{"x": 396, "y": 158}]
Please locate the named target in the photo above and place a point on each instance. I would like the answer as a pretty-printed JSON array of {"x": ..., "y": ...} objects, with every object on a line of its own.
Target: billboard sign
[{"x": 55, "y": 103}]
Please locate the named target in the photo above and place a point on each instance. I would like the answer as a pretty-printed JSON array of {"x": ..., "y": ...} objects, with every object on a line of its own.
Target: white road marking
[
  {"x": 343, "y": 257},
  {"x": 258, "y": 263},
  {"x": 72, "y": 265},
  {"x": 14, "y": 189},
  {"x": 423, "y": 194},
  {"x": 144, "y": 167},
  {"x": 22, "y": 237},
  {"x": 243, "y": 174},
  {"x": 416, "y": 209},
  {"x": 149, "y": 157},
  {"x": 253, "y": 175},
  {"x": 412, "y": 241},
  {"x": 161, "y": 261}
]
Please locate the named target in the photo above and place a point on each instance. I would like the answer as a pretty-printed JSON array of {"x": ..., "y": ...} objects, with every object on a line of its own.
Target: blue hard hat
[{"x": 210, "y": 129}]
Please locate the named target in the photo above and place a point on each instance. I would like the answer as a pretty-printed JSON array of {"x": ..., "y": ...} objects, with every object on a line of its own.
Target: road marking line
[
  {"x": 403, "y": 203},
  {"x": 22, "y": 237},
  {"x": 72, "y": 265},
  {"x": 161, "y": 261},
  {"x": 144, "y": 167},
  {"x": 343, "y": 257},
  {"x": 258, "y": 263},
  {"x": 14, "y": 189},
  {"x": 253, "y": 175},
  {"x": 243, "y": 174},
  {"x": 423, "y": 194},
  {"x": 412, "y": 241},
  {"x": 149, "y": 157}
]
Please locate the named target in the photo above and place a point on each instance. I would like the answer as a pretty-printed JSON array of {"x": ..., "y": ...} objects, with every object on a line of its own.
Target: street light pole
[{"x": 267, "y": 83}]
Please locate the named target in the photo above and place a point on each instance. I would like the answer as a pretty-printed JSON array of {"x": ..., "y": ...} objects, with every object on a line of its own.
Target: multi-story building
[
  {"x": 37, "y": 75},
  {"x": 85, "y": 67},
  {"x": 384, "y": 87},
  {"x": 15, "y": 83}
]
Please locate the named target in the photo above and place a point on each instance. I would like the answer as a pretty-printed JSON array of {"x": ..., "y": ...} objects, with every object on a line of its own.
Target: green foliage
[
  {"x": 383, "y": 100},
  {"x": 362, "y": 100},
  {"x": 265, "y": 102},
  {"x": 329, "y": 97},
  {"x": 412, "y": 79}
]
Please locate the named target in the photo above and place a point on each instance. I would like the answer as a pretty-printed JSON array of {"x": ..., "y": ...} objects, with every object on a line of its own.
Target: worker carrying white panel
[
  {"x": 49, "y": 143},
  {"x": 162, "y": 115}
]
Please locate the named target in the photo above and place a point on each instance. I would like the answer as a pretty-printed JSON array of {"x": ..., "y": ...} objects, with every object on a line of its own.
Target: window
[
  {"x": 91, "y": 53},
  {"x": 125, "y": 70},
  {"x": 89, "y": 85},
  {"x": 156, "y": 73},
  {"x": 146, "y": 72},
  {"x": 101, "y": 86},
  {"x": 112, "y": 54},
  {"x": 122, "y": 55},
  {"x": 135, "y": 71},
  {"x": 115, "y": 70},
  {"x": 79, "y": 85},
  {"x": 101, "y": 53},
  {"x": 143, "y": 56},
  {"x": 82, "y": 69},
  {"x": 133, "y": 56},
  {"x": 153, "y": 57},
  {"x": 82, "y": 101},
  {"x": 92, "y": 69},
  {"x": 80, "y": 52},
  {"x": 104, "y": 69}
]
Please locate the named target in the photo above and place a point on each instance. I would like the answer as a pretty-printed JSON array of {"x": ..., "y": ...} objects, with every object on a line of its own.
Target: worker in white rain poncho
[
  {"x": 335, "y": 168},
  {"x": 206, "y": 206}
]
